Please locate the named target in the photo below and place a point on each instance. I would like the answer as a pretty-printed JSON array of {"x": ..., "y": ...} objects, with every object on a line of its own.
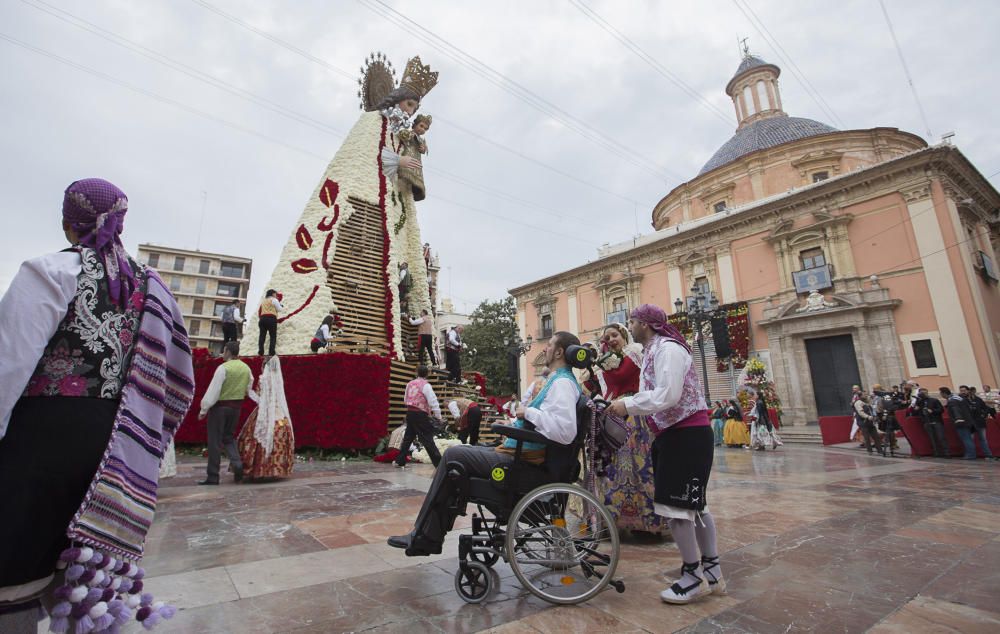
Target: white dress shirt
[
  {"x": 237, "y": 317},
  {"x": 453, "y": 338},
  {"x": 432, "y": 400},
  {"x": 556, "y": 418},
  {"x": 215, "y": 390},
  {"x": 670, "y": 366},
  {"x": 416, "y": 321},
  {"x": 31, "y": 310}
]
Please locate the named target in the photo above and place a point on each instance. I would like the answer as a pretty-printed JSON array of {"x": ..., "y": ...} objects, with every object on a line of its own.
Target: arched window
[
  {"x": 748, "y": 100},
  {"x": 765, "y": 103}
]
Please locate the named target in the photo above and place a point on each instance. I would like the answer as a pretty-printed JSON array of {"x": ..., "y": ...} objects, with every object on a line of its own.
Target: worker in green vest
[{"x": 222, "y": 402}]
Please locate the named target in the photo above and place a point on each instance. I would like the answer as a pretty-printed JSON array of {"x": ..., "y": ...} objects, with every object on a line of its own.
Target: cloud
[{"x": 65, "y": 124}]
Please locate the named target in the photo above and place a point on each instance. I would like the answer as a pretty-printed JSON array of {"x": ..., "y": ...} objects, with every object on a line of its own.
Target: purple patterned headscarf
[
  {"x": 95, "y": 209},
  {"x": 656, "y": 318}
]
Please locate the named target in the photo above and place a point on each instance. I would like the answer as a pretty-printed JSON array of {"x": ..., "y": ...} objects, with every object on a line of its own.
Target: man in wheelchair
[{"x": 553, "y": 413}]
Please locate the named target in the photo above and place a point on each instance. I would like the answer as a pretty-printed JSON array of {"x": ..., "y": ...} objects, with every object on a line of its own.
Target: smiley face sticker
[
  {"x": 581, "y": 355},
  {"x": 499, "y": 474}
]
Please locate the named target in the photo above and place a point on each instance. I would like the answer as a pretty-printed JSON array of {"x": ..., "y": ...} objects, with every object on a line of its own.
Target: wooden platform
[{"x": 402, "y": 372}]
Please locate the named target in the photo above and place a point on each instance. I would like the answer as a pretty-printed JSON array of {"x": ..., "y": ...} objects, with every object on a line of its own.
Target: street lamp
[
  {"x": 515, "y": 348},
  {"x": 700, "y": 309}
]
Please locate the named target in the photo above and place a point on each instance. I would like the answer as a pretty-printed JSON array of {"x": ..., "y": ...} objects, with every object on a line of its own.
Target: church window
[
  {"x": 719, "y": 207},
  {"x": 923, "y": 353},
  {"x": 812, "y": 258},
  {"x": 702, "y": 286},
  {"x": 820, "y": 176}
]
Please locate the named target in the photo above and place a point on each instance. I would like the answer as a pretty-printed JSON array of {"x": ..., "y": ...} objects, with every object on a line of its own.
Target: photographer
[
  {"x": 885, "y": 406},
  {"x": 930, "y": 411}
]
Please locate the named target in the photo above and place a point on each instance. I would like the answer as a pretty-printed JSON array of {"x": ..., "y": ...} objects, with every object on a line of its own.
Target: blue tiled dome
[{"x": 763, "y": 134}]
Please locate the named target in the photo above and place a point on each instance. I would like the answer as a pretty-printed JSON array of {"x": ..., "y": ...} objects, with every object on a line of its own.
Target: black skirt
[
  {"x": 48, "y": 459},
  {"x": 682, "y": 464}
]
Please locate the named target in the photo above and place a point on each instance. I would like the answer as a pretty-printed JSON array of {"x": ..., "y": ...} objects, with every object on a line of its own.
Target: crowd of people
[{"x": 875, "y": 423}]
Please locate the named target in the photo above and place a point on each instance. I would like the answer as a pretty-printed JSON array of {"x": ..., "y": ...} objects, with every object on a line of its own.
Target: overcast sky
[{"x": 497, "y": 217}]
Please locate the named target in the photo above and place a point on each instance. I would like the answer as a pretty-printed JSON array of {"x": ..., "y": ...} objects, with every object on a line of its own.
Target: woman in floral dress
[
  {"x": 267, "y": 442},
  {"x": 627, "y": 486}
]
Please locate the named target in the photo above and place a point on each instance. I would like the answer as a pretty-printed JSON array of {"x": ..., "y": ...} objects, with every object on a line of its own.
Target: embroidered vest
[
  {"x": 414, "y": 397},
  {"x": 691, "y": 401},
  {"x": 267, "y": 307},
  {"x": 425, "y": 327},
  {"x": 90, "y": 352},
  {"x": 238, "y": 378}
]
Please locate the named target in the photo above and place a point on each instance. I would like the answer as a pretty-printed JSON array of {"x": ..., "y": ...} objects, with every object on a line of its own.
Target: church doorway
[{"x": 834, "y": 369}]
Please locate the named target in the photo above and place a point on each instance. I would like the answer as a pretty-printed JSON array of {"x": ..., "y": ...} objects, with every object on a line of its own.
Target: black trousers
[
  {"x": 221, "y": 435},
  {"x": 435, "y": 517},
  {"x": 418, "y": 425},
  {"x": 228, "y": 332},
  {"x": 268, "y": 325},
  {"x": 427, "y": 343},
  {"x": 454, "y": 365},
  {"x": 471, "y": 431},
  {"x": 935, "y": 431}
]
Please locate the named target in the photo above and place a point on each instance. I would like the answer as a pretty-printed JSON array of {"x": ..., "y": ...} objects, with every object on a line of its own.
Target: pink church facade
[{"x": 864, "y": 256}]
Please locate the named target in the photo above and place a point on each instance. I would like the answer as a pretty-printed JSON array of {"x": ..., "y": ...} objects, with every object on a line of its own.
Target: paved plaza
[{"x": 812, "y": 539}]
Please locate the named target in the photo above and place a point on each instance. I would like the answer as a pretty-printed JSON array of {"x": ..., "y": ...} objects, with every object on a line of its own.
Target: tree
[{"x": 492, "y": 324}]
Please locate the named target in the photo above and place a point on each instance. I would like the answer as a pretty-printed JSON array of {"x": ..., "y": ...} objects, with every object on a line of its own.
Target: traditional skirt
[
  {"x": 682, "y": 461},
  {"x": 282, "y": 459},
  {"x": 628, "y": 486},
  {"x": 48, "y": 459},
  {"x": 735, "y": 433}
]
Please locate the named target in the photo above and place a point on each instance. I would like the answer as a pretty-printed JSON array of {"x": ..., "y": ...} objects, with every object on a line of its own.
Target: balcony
[{"x": 815, "y": 279}]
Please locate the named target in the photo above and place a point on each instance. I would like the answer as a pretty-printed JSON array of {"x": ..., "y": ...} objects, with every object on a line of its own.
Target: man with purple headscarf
[
  {"x": 83, "y": 428},
  {"x": 671, "y": 402}
]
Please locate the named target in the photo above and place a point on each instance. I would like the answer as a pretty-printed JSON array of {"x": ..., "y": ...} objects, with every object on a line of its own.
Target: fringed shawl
[{"x": 119, "y": 506}]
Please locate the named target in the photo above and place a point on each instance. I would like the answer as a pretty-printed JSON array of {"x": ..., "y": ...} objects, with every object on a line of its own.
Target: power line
[
  {"x": 516, "y": 89},
  {"x": 780, "y": 51},
  {"x": 153, "y": 95},
  {"x": 159, "y": 58},
  {"x": 906, "y": 70},
  {"x": 180, "y": 67},
  {"x": 332, "y": 68},
  {"x": 240, "y": 128},
  {"x": 651, "y": 61}
]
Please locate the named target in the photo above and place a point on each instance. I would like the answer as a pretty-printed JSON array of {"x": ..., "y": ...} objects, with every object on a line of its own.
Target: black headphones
[{"x": 579, "y": 356}]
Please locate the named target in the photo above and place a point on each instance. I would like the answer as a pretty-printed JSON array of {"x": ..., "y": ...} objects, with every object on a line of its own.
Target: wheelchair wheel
[
  {"x": 473, "y": 581},
  {"x": 562, "y": 544},
  {"x": 487, "y": 559}
]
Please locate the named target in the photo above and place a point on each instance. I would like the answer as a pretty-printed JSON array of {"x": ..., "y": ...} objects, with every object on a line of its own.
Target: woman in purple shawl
[{"x": 82, "y": 430}]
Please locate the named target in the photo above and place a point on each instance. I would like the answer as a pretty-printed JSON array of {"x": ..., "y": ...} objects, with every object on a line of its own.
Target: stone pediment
[
  {"x": 822, "y": 218},
  {"x": 798, "y": 307}
]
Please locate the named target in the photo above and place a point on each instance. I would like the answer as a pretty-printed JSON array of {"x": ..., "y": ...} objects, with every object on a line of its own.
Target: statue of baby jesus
[{"x": 413, "y": 145}]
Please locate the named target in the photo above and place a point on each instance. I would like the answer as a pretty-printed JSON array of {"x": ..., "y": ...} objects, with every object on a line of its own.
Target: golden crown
[{"x": 418, "y": 77}]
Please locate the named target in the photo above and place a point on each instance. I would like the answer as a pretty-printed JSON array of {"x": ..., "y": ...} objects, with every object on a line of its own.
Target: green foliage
[{"x": 492, "y": 323}]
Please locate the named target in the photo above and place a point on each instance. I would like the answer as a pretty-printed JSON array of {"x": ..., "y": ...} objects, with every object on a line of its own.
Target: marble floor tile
[
  {"x": 811, "y": 540},
  {"x": 924, "y": 614}
]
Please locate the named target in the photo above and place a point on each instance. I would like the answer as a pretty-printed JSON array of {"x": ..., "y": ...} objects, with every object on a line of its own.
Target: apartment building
[{"x": 204, "y": 284}]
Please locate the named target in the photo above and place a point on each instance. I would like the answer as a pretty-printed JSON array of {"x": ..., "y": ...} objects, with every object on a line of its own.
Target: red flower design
[
  {"x": 304, "y": 265},
  {"x": 72, "y": 386},
  {"x": 303, "y": 238},
  {"x": 38, "y": 385},
  {"x": 328, "y": 193},
  {"x": 125, "y": 337}
]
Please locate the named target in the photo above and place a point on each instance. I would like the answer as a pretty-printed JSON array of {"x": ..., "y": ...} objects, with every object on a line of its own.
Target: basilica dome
[{"x": 763, "y": 134}]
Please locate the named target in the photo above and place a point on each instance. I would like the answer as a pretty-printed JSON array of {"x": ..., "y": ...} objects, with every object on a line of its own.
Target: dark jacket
[
  {"x": 980, "y": 411},
  {"x": 929, "y": 409},
  {"x": 959, "y": 410}
]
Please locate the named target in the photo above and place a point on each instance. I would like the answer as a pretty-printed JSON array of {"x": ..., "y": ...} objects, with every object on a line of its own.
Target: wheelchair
[{"x": 558, "y": 538}]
